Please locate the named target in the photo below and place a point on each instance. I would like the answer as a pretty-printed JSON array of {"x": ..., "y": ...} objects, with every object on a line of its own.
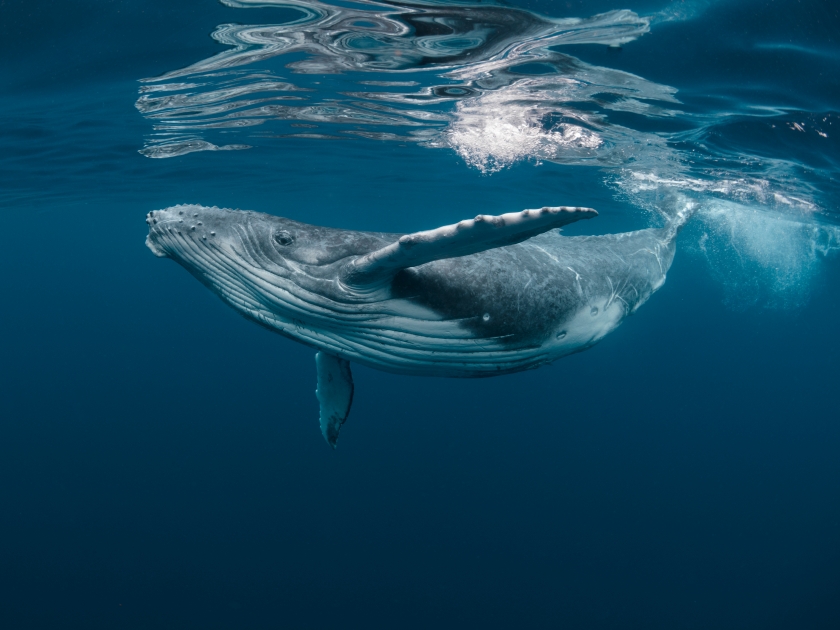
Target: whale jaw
[
  {"x": 152, "y": 237},
  {"x": 157, "y": 251}
]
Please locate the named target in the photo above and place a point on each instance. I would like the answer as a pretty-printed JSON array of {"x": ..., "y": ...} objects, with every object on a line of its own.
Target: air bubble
[{"x": 486, "y": 317}]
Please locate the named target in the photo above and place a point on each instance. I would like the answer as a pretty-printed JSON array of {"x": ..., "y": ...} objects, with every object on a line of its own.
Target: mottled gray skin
[{"x": 501, "y": 310}]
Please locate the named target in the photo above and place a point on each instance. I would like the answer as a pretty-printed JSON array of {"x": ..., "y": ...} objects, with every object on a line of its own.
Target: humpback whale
[{"x": 482, "y": 297}]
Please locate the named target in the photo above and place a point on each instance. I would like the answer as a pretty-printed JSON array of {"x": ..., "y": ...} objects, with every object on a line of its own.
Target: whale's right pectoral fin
[
  {"x": 460, "y": 239},
  {"x": 335, "y": 393}
]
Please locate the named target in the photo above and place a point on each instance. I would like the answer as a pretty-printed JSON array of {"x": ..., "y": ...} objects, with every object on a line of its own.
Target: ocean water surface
[{"x": 161, "y": 459}]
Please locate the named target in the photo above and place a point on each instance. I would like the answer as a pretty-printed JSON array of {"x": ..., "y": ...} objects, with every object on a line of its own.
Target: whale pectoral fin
[
  {"x": 335, "y": 393},
  {"x": 460, "y": 239}
]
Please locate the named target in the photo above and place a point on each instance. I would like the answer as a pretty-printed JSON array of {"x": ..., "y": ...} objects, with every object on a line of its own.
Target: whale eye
[{"x": 283, "y": 238}]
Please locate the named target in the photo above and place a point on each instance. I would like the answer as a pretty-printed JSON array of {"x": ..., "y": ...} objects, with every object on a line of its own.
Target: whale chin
[{"x": 156, "y": 250}]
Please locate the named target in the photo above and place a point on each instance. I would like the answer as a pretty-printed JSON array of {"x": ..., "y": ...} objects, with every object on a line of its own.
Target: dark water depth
[{"x": 160, "y": 457}]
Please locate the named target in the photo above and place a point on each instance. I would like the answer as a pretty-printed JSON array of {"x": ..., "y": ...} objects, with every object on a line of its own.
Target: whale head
[
  {"x": 195, "y": 235},
  {"x": 266, "y": 267},
  {"x": 192, "y": 233},
  {"x": 256, "y": 261}
]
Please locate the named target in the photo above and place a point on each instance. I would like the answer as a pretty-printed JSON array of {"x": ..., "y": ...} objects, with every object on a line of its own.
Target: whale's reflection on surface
[
  {"x": 492, "y": 84},
  {"x": 481, "y": 80}
]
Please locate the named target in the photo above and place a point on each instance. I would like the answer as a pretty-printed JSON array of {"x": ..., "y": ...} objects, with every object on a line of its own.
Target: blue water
[{"x": 160, "y": 457}]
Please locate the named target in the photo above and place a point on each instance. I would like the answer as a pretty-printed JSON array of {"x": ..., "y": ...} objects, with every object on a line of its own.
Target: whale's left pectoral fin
[
  {"x": 460, "y": 239},
  {"x": 335, "y": 393}
]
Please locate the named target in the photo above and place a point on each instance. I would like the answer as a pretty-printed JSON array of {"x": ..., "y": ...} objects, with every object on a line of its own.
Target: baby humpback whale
[{"x": 486, "y": 296}]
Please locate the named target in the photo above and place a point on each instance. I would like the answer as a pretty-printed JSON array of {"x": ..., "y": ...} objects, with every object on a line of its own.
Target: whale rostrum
[{"x": 482, "y": 297}]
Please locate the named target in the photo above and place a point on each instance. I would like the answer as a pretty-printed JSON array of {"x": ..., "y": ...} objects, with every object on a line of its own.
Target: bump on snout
[{"x": 195, "y": 223}]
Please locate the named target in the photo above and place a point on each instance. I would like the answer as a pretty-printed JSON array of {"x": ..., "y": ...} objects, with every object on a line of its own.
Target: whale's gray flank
[{"x": 486, "y": 296}]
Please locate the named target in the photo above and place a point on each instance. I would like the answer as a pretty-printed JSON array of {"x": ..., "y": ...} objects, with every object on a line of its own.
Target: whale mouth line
[
  {"x": 157, "y": 230},
  {"x": 155, "y": 249}
]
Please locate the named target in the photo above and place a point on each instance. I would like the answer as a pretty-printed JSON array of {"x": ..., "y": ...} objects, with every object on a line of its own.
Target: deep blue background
[{"x": 160, "y": 460}]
